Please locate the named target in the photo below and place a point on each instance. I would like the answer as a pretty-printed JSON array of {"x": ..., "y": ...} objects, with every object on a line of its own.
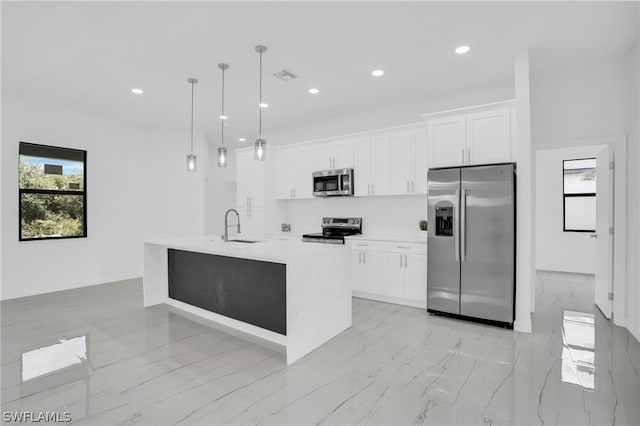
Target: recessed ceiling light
[
  {"x": 137, "y": 91},
  {"x": 242, "y": 140},
  {"x": 264, "y": 105},
  {"x": 314, "y": 91},
  {"x": 460, "y": 50},
  {"x": 377, "y": 73},
  {"x": 223, "y": 117}
]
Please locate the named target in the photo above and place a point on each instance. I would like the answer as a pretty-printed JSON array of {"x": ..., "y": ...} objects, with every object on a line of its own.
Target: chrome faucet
[{"x": 225, "y": 237}]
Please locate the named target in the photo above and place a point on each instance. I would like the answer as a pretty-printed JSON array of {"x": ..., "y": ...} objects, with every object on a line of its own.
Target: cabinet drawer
[
  {"x": 366, "y": 245},
  {"x": 400, "y": 247}
]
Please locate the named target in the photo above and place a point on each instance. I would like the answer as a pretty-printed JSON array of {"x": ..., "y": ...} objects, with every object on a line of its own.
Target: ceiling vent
[{"x": 285, "y": 75}]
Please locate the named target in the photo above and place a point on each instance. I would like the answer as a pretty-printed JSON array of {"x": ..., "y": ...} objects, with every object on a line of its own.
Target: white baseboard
[{"x": 422, "y": 304}]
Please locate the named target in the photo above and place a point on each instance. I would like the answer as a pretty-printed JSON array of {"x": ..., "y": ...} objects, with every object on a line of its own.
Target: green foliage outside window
[{"x": 52, "y": 193}]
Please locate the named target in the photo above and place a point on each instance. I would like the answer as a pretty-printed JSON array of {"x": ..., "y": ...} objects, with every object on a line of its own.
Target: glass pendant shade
[
  {"x": 260, "y": 149},
  {"x": 192, "y": 161},
  {"x": 222, "y": 157}
]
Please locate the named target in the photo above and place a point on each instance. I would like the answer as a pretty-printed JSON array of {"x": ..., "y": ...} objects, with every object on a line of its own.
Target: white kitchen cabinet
[
  {"x": 416, "y": 278},
  {"x": 294, "y": 180},
  {"x": 480, "y": 137},
  {"x": 363, "y": 169},
  {"x": 447, "y": 141},
  {"x": 391, "y": 272},
  {"x": 336, "y": 154},
  {"x": 372, "y": 165},
  {"x": 489, "y": 136},
  {"x": 343, "y": 158},
  {"x": 251, "y": 222},
  {"x": 381, "y": 183},
  {"x": 409, "y": 161},
  {"x": 367, "y": 268},
  {"x": 406, "y": 274},
  {"x": 394, "y": 274},
  {"x": 249, "y": 180}
]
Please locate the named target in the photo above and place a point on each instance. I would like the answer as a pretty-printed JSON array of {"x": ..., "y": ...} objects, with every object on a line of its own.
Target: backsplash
[{"x": 395, "y": 215}]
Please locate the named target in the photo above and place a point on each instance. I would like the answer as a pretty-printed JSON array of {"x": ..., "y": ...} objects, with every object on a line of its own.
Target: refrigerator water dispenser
[{"x": 444, "y": 221}]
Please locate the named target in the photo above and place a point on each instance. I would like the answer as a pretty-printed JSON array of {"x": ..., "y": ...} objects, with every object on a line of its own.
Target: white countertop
[{"x": 279, "y": 251}]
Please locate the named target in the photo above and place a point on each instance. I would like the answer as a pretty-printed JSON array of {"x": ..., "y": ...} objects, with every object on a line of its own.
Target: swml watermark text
[{"x": 36, "y": 416}]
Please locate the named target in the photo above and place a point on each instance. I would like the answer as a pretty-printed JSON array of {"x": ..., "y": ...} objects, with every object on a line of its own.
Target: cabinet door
[
  {"x": 243, "y": 178},
  {"x": 362, "y": 172},
  {"x": 420, "y": 164},
  {"x": 447, "y": 141},
  {"x": 356, "y": 270},
  {"x": 416, "y": 278},
  {"x": 251, "y": 223},
  {"x": 393, "y": 284},
  {"x": 401, "y": 162},
  {"x": 303, "y": 181},
  {"x": 343, "y": 157},
  {"x": 285, "y": 175},
  {"x": 489, "y": 136},
  {"x": 381, "y": 182},
  {"x": 323, "y": 157},
  {"x": 256, "y": 184},
  {"x": 373, "y": 271}
]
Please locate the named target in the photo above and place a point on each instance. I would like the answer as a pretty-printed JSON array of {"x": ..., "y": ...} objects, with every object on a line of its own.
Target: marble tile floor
[{"x": 97, "y": 354}]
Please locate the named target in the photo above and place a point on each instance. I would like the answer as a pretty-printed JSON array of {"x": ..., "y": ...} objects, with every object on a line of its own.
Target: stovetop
[{"x": 334, "y": 229}]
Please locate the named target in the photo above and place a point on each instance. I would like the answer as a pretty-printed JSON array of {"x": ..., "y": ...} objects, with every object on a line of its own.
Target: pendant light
[
  {"x": 191, "y": 158},
  {"x": 260, "y": 145},
  {"x": 222, "y": 151}
]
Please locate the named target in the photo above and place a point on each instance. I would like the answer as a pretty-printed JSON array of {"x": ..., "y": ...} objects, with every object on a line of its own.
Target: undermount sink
[{"x": 244, "y": 241}]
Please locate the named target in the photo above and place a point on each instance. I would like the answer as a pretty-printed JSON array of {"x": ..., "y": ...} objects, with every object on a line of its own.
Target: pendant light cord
[
  {"x": 260, "y": 104},
  {"x": 192, "y": 117},
  {"x": 222, "y": 120}
]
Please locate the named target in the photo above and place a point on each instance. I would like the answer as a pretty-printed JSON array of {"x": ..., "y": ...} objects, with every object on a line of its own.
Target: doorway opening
[{"x": 574, "y": 216}]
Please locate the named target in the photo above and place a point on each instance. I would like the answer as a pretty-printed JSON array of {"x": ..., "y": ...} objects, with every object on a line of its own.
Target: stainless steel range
[{"x": 334, "y": 229}]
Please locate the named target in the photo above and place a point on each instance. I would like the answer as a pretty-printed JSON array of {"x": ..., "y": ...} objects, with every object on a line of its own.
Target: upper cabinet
[
  {"x": 336, "y": 154},
  {"x": 249, "y": 180},
  {"x": 372, "y": 171},
  {"x": 295, "y": 166},
  {"x": 480, "y": 137},
  {"x": 408, "y": 160},
  {"x": 489, "y": 136},
  {"x": 447, "y": 140}
]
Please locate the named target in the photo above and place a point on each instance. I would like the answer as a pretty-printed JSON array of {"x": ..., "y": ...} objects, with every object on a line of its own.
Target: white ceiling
[{"x": 89, "y": 55}]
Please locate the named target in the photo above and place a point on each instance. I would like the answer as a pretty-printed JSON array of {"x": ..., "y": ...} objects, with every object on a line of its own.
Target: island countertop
[
  {"x": 278, "y": 251},
  {"x": 315, "y": 278}
]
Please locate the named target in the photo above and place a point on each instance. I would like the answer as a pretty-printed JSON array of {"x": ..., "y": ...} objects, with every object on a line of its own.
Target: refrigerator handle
[
  {"x": 463, "y": 225},
  {"x": 456, "y": 227}
]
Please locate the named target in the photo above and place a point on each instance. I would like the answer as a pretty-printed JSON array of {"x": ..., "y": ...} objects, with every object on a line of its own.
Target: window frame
[
  {"x": 581, "y": 194},
  {"x": 83, "y": 193}
]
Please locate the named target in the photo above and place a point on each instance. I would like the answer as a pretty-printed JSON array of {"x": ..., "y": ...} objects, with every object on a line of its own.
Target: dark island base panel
[{"x": 251, "y": 291}]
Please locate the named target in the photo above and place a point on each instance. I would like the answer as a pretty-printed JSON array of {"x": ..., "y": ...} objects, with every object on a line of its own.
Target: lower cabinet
[
  {"x": 390, "y": 272},
  {"x": 367, "y": 267}
]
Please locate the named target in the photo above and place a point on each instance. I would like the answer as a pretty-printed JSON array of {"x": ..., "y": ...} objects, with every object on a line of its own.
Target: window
[
  {"x": 579, "y": 192},
  {"x": 52, "y": 192}
]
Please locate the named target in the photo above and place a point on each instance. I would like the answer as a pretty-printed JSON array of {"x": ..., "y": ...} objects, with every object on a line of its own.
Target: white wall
[
  {"x": 557, "y": 250},
  {"x": 597, "y": 100},
  {"x": 137, "y": 188}
]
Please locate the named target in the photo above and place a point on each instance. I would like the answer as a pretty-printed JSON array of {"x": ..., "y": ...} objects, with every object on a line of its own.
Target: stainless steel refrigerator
[{"x": 471, "y": 256}]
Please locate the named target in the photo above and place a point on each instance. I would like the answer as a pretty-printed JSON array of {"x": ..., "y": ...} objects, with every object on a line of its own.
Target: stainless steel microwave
[{"x": 331, "y": 183}]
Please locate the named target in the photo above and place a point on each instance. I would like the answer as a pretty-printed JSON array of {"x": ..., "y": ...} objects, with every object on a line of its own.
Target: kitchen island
[{"x": 292, "y": 293}]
